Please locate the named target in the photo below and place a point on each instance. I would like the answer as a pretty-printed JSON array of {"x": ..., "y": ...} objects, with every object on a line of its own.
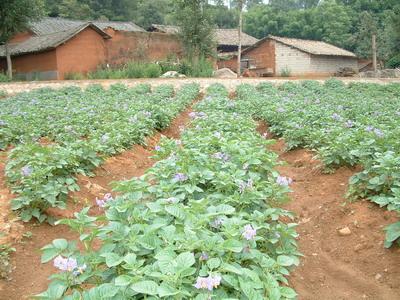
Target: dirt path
[
  {"x": 29, "y": 276},
  {"x": 334, "y": 266}
]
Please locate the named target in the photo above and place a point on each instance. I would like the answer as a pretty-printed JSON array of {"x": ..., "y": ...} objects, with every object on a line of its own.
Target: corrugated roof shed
[
  {"x": 308, "y": 46},
  {"x": 49, "y": 41}
]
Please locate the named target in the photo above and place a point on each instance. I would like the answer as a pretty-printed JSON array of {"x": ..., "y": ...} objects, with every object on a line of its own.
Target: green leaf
[
  {"x": 123, "y": 280},
  {"x": 285, "y": 260},
  {"x": 233, "y": 245},
  {"x": 165, "y": 290},
  {"x": 147, "y": 287},
  {"x": 176, "y": 211},
  {"x": 185, "y": 260},
  {"x": 61, "y": 244},
  {"x": 112, "y": 259},
  {"x": 213, "y": 263},
  {"x": 392, "y": 234}
]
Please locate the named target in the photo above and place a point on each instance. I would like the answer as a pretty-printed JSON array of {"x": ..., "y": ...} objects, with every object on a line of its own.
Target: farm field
[{"x": 205, "y": 204}]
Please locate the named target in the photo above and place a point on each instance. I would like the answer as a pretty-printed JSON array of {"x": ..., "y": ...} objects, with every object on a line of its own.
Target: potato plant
[
  {"x": 351, "y": 125},
  {"x": 202, "y": 223},
  {"x": 60, "y": 133}
]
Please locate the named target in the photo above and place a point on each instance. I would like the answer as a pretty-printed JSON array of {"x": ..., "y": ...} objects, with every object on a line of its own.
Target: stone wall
[{"x": 329, "y": 65}]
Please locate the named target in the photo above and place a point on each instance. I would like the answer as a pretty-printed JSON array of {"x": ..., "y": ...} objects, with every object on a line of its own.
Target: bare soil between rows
[
  {"x": 30, "y": 276},
  {"x": 335, "y": 267}
]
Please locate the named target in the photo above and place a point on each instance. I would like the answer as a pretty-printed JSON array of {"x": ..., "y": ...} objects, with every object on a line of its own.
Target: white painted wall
[
  {"x": 296, "y": 61},
  {"x": 301, "y": 63},
  {"x": 331, "y": 64}
]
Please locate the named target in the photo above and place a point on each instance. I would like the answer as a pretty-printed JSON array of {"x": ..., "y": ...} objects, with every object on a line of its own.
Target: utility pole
[
  {"x": 239, "y": 55},
  {"x": 374, "y": 52}
]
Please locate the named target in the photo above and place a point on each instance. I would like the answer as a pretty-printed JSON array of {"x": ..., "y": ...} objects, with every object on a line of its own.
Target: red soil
[
  {"x": 29, "y": 276},
  {"x": 356, "y": 266}
]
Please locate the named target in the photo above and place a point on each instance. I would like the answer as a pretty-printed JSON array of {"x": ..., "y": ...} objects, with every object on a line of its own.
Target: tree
[
  {"x": 74, "y": 9},
  {"x": 15, "y": 16},
  {"x": 196, "y": 28}
]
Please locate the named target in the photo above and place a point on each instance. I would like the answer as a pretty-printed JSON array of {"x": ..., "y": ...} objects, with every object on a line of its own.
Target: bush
[
  {"x": 285, "y": 72},
  {"x": 394, "y": 62},
  {"x": 74, "y": 76},
  {"x": 4, "y": 77}
]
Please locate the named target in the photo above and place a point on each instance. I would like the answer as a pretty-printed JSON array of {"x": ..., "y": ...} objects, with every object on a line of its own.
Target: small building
[
  {"x": 54, "y": 47},
  {"x": 280, "y": 56},
  {"x": 227, "y": 41}
]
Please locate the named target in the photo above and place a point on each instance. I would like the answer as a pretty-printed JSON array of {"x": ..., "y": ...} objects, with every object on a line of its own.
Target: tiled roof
[
  {"x": 52, "y": 25},
  {"x": 228, "y": 37},
  {"x": 308, "y": 46},
  {"x": 170, "y": 29},
  {"x": 48, "y": 41}
]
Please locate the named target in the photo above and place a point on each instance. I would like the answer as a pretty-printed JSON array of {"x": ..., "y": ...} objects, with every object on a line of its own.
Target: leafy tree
[
  {"x": 15, "y": 16},
  {"x": 196, "y": 28},
  {"x": 73, "y": 9}
]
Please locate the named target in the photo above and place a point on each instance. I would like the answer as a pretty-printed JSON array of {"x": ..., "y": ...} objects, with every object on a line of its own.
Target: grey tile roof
[
  {"x": 227, "y": 37},
  {"x": 51, "y": 25},
  {"x": 230, "y": 37},
  {"x": 308, "y": 46},
  {"x": 313, "y": 47},
  {"x": 48, "y": 41}
]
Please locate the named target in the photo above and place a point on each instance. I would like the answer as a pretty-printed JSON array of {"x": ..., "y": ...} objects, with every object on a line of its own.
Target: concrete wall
[
  {"x": 83, "y": 53},
  {"x": 288, "y": 58},
  {"x": 328, "y": 65},
  {"x": 141, "y": 46}
]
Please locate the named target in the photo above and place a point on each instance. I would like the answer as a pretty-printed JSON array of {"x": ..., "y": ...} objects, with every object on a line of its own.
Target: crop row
[
  {"x": 60, "y": 133},
  {"x": 351, "y": 125},
  {"x": 202, "y": 223}
]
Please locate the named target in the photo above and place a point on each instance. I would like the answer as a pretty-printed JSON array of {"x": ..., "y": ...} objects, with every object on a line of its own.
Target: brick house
[
  {"x": 54, "y": 47},
  {"x": 274, "y": 56}
]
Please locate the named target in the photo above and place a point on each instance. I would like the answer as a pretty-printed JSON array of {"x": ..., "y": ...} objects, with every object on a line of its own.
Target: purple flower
[
  {"x": 102, "y": 202},
  {"x": 178, "y": 142},
  {"x": 265, "y": 135},
  {"x": 203, "y": 256},
  {"x": 246, "y": 166},
  {"x": 336, "y": 117},
  {"x": 197, "y": 115},
  {"x": 231, "y": 104},
  {"x": 2, "y": 123},
  {"x": 147, "y": 114},
  {"x": 222, "y": 156},
  {"x": 369, "y": 128},
  {"x": 180, "y": 177},
  {"x": 280, "y": 110},
  {"x": 157, "y": 148},
  {"x": 217, "y": 223},
  {"x": 198, "y": 127},
  {"x": 284, "y": 181},
  {"x": 208, "y": 283},
  {"x": 79, "y": 270},
  {"x": 217, "y": 134},
  {"x": 26, "y": 171},
  {"x": 249, "y": 232},
  {"x": 349, "y": 123},
  {"x": 243, "y": 185},
  {"x": 172, "y": 200},
  {"x": 133, "y": 119},
  {"x": 104, "y": 138},
  {"x": 65, "y": 264},
  {"x": 379, "y": 132}
]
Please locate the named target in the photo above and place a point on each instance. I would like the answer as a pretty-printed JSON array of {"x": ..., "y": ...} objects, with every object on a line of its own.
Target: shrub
[
  {"x": 4, "y": 77},
  {"x": 285, "y": 72},
  {"x": 74, "y": 76},
  {"x": 394, "y": 62}
]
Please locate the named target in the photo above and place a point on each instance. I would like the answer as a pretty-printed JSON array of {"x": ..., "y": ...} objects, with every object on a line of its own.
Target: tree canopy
[{"x": 345, "y": 23}]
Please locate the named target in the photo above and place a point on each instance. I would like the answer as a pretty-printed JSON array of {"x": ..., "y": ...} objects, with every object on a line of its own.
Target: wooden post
[
  {"x": 374, "y": 52},
  {"x": 9, "y": 62},
  {"x": 239, "y": 56}
]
